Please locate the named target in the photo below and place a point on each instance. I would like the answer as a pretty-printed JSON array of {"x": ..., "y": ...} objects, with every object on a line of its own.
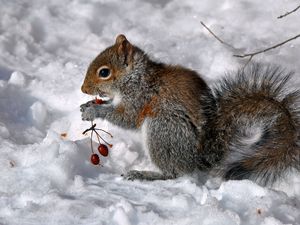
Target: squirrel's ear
[
  {"x": 120, "y": 38},
  {"x": 124, "y": 48}
]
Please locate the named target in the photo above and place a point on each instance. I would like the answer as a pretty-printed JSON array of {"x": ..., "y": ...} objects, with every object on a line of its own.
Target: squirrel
[{"x": 245, "y": 127}]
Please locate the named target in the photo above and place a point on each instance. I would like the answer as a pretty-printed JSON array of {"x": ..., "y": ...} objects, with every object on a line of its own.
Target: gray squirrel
[{"x": 246, "y": 127}]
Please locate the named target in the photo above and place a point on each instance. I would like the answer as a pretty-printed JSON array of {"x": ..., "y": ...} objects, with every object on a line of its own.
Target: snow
[
  {"x": 46, "y": 46},
  {"x": 17, "y": 78}
]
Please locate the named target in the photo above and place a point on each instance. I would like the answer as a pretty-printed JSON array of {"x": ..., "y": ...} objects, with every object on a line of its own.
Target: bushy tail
[{"x": 258, "y": 124}]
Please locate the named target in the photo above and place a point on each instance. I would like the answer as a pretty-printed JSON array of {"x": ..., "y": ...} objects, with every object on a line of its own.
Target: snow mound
[{"x": 46, "y": 176}]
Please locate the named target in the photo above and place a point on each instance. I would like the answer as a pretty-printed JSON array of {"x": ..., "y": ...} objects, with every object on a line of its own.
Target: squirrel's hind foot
[{"x": 146, "y": 175}]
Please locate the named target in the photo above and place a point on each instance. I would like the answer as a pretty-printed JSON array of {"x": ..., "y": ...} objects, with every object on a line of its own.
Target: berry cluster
[{"x": 102, "y": 147}]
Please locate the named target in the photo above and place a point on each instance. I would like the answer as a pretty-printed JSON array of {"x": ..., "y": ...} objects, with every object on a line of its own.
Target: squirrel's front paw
[
  {"x": 91, "y": 110},
  {"x": 88, "y": 112}
]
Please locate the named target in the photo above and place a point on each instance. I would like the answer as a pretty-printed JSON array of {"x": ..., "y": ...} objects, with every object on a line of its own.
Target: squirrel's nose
[{"x": 84, "y": 89}]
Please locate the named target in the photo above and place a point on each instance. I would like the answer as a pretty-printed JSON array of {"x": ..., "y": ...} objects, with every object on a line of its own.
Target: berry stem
[
  {"x": 102, "y": 138},
  {"x": 92, "y": 141},
  {"x": 104, "y": 132},
  {"x": 97, "y": 135},
  {"x": 91, "y": 128}
]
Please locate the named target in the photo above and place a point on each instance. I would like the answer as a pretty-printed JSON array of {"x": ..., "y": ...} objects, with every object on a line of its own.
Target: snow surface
[{"x": 45, "y": 49}]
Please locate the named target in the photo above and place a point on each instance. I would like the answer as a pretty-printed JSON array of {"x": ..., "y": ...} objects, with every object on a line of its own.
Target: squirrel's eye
[{"x": 104, "y": 72}]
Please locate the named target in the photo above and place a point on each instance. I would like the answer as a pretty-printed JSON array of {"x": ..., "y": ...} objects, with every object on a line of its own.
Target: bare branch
[
  {"x": 251, "y": 55},
  {"x": 288, "y": 13},
  {"x": 215, "y": 36}
]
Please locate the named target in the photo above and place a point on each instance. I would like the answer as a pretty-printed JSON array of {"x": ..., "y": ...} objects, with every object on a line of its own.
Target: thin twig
[
  {"x": 288, "y": 13},
  {"x": 251, "y": 55},
  {"x": 215, "y": 36},
  {"x": 248, "y": 61}
]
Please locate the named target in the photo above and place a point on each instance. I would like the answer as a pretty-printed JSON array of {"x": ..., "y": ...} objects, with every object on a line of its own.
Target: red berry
[
  {"x": 103, "y": 150},
  {"x": 98, "y": 101},
  {"x": 95, "y": 159}
]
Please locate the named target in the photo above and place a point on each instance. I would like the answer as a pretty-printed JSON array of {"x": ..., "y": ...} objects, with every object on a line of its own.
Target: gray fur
[
  {"x": 276, "y": 151},
  {"x": 172, "y": 144},
  {"x": 223, "y": 139}
]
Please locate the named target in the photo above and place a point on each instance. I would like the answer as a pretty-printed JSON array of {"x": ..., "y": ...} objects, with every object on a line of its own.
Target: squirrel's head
[{"x": 111, "y": 66}]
